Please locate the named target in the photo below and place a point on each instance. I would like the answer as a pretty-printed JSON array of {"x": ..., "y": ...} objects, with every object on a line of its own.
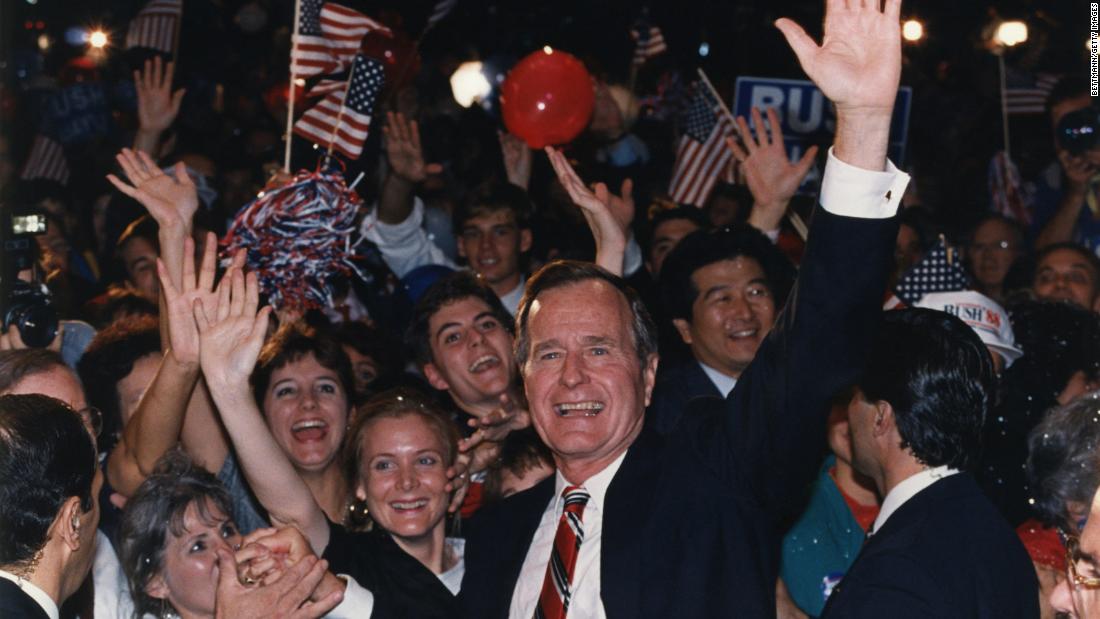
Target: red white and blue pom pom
[{"x": 297, "y": 237}]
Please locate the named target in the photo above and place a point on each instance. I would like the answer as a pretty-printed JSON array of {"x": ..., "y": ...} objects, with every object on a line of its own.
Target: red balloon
[{"x": 547, "y": 98}]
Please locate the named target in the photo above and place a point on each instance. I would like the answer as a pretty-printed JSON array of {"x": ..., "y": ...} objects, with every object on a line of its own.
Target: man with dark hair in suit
[
  {"x": 636, "y": 525},
  {"x": 48, "y": 510},
  {"x": 938, "y": 547},
  {"x": 723, "y": 290}
]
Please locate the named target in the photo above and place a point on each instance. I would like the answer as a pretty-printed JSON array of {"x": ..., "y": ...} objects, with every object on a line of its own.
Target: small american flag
[
  {"x": 155, "y": 26},
  {"x": 441, "y": 9},
  {"x": 938, "y": 271},
  {"x": 46, "y": 160},
  {"x": 343, "y": 123},
  {"x": 702, "y": 154},
  {"x": 310, "y": 53},
  {"x": 1006, "y": 191},
  {"x": 648, "y": 42},
  {"x": 1030, "y": 95},
  {"x": 344, "y": 29}
]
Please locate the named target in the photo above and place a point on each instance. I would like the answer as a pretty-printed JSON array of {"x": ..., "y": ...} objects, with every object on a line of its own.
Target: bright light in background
[
  {"x": 704, "y": 49},
  {"x": 44, "y": 42},
  {"x": 469, "y": 84},
  {"x": 546, "y": 49},
  {"x": 97, "y": 39},
  {"x": 1011, "y": 33},
  {"x": 32, "y": 1},
  {"x": 912, "y": 30}
]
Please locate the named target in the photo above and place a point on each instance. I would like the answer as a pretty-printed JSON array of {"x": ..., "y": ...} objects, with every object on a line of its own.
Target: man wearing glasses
[{"x": 1078, "y": 595}]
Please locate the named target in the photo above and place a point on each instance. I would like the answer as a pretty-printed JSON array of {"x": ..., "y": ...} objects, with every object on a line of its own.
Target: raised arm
[
  {"x": 157, "y": 105},
  {"x": 775, "y": 423},
  {"x": 608, "y": 215},
  {"x": 231, "y": 337},
  {"x": 407, "y": 168},
  {"x": 771, "y": 177},
  {"x": 155, "y": 426}
]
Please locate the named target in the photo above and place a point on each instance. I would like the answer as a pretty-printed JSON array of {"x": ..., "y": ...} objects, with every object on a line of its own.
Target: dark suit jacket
[
  {"x": 946, "y": 552},
  {"x": 14, "y": 604},
  {"x": 677, "y": 384},
  {"x": 687, "y": 528}
]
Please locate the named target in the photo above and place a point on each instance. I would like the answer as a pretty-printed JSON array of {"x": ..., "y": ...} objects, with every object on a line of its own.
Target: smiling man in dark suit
[
  {"x": 48, "y": 511},
  {"x": 938, "y": 547},
  {"x": 634, "y": 525}
]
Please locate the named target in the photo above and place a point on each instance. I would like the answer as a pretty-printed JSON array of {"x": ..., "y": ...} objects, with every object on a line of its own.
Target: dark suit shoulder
[
  {"x": 677, "y": 385},
  {"x": 15, "y": 604}
]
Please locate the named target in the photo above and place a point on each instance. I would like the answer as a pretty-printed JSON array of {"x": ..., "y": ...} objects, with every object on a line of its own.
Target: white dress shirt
[
  {"x": 585, "y": 600},
  {"x": 906, "y": 490},
  {"x": 358, "y": 603},
  {"x": 724, "y": 383},
  {"x": 38, "y": 595}
]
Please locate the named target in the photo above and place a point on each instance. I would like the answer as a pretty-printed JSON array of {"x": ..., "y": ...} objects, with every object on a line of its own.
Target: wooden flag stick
[
  {"x": 290, "y": 95},
  {"x": 714, "y": 92}
]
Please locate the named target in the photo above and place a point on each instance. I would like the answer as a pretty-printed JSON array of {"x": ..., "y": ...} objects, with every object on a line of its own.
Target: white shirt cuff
[
  {"x": 854, "y": 192},
  {"x": 358, "y": 603},
  {"x": 377, "y": 231}
]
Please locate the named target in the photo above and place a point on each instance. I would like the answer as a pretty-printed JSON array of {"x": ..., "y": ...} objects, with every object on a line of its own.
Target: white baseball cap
[{"x": 988, "y": 319}]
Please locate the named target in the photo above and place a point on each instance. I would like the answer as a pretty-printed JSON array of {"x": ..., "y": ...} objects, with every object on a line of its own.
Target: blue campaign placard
[{"x": 808, "y": 118}]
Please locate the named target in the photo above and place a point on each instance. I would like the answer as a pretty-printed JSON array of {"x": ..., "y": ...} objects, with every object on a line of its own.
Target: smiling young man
[
  {"x": 460, "y": 337},
  {"x": 723, "y": 289}
]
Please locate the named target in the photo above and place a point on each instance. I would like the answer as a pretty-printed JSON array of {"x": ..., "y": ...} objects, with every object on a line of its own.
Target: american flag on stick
[
  {"x": 940, "y": 270},
  {"x": 648, "y": 42},
  {"x": 341, "y": 121},
  {"x": 344, "y": 30},
  {"x": 702, "y": 155},
  {"x": 46, "y": 160},
  {"x": 1030, "y": 98},
  {"x": 156, "y": 26}
]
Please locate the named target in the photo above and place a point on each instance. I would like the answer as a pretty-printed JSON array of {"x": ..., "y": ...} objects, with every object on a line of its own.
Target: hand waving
[
  {"x": 171, "y": 200},
  {"x": 608, "y": 215},
  {"x": 402, "y": 143},
  {"x": 858, "y": 63},
  {"x": 771, "y": 177},
  {"x": 157, "y": 104},
  {"x": 231, "y": 335}
]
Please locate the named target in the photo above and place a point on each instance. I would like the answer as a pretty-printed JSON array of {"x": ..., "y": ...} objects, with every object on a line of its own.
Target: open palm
[
  {"x": 858, "y": 63},
  {"x": 170, "y": 200},
  {"x": 232, "y": 334}
]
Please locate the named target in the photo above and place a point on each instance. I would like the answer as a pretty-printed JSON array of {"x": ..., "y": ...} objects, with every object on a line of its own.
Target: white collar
[
  {"x": 38, "y": 595},
  {"x": 907, "y": 489},
  {"x": 724, "y": 382},
  {"x": 510, "y": 300},
  {"x": 596, "y": 485}
]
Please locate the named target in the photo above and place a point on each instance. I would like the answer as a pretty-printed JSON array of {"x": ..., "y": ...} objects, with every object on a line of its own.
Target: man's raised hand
[
  {"x": 403, "y": 150},
  {"x": 857, "y": 66},
  {"x": 170, "y": 200},
  {"x": 770, "y": 175},
  {"x": 232, "y": 334},
  {"x": 157, "y": 105}
]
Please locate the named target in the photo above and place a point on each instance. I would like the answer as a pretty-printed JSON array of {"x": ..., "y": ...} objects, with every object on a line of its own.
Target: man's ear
[
  {"x": 525, "y": 240},
  {"x": 884, "y": 421},
  {"x": 683, "y": 327},
  {"x": 649, "y": 375},
  {"x": 67, "y": 525},
  {"x": 435, "y": 379}
]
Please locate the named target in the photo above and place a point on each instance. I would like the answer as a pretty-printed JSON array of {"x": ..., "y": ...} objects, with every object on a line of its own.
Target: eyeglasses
[
  {"x": 1073, "y": 555},
  {"x": 93, "y": 417},
  {"x": 996, "y": 245}
]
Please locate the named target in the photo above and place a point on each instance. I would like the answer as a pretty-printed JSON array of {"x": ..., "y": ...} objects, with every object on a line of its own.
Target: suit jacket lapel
[{"x": 626, "y": 513}]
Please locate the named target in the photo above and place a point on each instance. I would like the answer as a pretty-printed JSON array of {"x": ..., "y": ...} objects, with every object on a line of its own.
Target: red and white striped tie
[{"x": 558, "y": 582}]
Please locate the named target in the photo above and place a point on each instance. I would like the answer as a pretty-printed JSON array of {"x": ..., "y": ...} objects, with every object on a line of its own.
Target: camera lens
[
  {"x": 37, "y": 324},
  {"x": 1079, "y": 131}
]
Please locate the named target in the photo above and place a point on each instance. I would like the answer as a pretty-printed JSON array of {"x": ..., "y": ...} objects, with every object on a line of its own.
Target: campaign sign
[
  {"x": 808, "y": 118},
  {"x": 77, "y": 113}
]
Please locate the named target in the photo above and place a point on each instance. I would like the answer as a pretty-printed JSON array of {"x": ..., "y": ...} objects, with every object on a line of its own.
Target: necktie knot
[{"x": 574, "y": 499}]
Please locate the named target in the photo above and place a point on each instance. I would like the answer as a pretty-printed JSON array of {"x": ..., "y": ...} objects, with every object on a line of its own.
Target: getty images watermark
[{"x": 1094, "y": 47}]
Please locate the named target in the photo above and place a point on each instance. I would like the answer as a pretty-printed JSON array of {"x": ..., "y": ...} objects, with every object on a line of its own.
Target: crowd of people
[{"x": 550, "y": 397}]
